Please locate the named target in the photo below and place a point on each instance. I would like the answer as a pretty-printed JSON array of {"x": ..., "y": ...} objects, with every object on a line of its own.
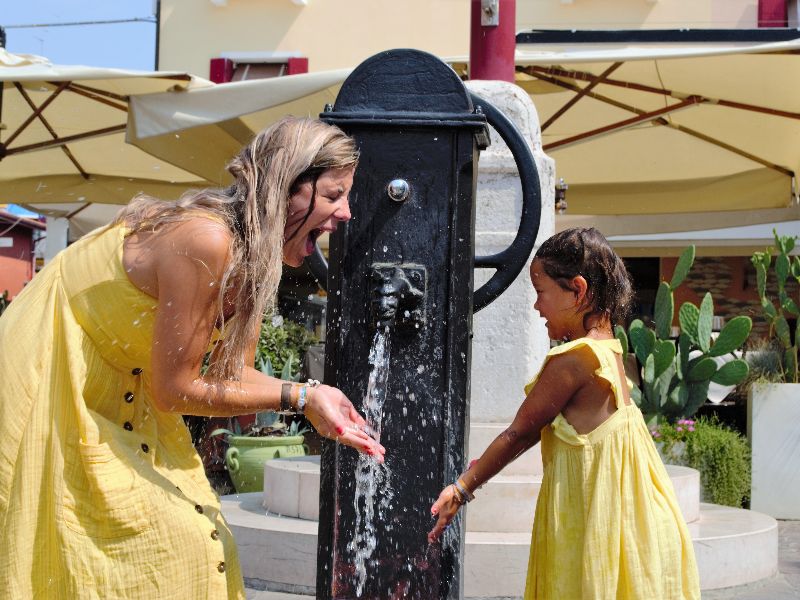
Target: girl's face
[
  {"x": 561, "y": 309},
  {"x": 330, "y": 208}
]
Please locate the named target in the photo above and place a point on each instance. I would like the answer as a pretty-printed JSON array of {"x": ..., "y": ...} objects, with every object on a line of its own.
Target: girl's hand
[
  {"x": 333, "y": 415},
  {"x": 445, "y": 508}
]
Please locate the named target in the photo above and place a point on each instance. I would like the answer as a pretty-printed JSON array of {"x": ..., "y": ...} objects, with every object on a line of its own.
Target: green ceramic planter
[{"x": 246, "y": 456}]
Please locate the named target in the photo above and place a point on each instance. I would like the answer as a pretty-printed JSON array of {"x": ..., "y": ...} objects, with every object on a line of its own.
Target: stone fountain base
[{"x": 276, "y": 531}]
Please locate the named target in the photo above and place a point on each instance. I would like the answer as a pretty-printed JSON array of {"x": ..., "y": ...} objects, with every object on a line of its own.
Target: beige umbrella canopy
[
  {"x": 200, "y": 130},
  {"x": 650, "y": 132},
  {"x": 62, "y": 139},
  {"x": 654, "y": 131}
]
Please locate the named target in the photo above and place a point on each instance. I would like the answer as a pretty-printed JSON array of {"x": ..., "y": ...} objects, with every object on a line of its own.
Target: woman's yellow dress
[
  {"x": 101, "y": 494},
  {"x": 607, "y": 523}
]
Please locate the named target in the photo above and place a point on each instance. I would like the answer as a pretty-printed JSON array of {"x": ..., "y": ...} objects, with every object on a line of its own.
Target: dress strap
[{"x": 606, "y": 352}]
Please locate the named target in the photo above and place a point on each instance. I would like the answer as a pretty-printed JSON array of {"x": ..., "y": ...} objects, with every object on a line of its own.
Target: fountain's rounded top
[{"x": 403, "y": 85}]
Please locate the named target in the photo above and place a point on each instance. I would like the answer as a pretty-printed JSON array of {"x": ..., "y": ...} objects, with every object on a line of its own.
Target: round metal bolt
[{"x": 399, "y": 190}]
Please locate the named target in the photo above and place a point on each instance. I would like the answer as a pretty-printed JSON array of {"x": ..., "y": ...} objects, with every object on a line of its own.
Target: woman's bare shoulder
[{"x": 199, "y": 237}]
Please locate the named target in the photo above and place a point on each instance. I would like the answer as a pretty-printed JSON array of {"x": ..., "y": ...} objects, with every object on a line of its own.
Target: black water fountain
[{"x": 403, "y": 267}]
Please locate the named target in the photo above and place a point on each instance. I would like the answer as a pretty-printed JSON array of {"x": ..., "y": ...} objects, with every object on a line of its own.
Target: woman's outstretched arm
[{"x": 190, "y": 260}]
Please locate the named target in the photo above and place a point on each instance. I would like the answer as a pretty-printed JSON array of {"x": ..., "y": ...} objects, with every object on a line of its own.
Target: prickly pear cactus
[
  {"x": 775, "y": 311},
  {"x": 674, "y": 385}
]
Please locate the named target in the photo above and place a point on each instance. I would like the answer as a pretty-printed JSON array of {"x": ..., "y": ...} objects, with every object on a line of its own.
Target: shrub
[
  {"x": 720, "y": 454},
  {"x": 282, "y": 340}
]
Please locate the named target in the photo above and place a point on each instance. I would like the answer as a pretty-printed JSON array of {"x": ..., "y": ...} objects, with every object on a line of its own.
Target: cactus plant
[
  {"x": 775, "y": 312},
  {"x": 674, "y": 385}
]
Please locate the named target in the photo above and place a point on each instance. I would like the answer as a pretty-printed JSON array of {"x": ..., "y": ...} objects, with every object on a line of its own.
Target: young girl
[{"x": 607, "y": 523}]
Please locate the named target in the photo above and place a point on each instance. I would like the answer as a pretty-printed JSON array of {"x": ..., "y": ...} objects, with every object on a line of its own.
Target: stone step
[
  {"x": 507, "y": 502},
  {"x": 733, "y": 547}
]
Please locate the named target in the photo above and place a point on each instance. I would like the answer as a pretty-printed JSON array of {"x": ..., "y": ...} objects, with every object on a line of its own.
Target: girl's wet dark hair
[{"x": 585, "y": 252}]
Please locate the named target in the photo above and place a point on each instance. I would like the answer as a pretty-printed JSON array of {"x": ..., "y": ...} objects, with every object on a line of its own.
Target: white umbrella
[
  {"x": 666, "y": 128},
  {"x": 669, "y": 137},
  {"x": 200, "y": 129},
  {"x": 62, "y": 139}
]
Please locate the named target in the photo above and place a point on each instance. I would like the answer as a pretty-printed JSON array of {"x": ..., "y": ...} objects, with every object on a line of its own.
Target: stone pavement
[{"x": 784, "y": 586}]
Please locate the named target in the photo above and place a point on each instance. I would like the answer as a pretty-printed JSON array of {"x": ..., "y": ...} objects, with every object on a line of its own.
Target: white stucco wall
[{"x": 510, "y": 340}]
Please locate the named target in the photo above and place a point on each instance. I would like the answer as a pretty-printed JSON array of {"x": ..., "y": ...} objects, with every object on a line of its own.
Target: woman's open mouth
[{"x": 311, "y": 241}]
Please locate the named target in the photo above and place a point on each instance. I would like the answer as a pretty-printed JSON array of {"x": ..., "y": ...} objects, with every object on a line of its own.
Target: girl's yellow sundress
[
  {"x": 101, "y": 494},
  {"x": 607, "y": 523}
]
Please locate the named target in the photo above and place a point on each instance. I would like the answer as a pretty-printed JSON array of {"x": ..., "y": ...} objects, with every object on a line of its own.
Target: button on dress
[
  {"x": 607, "y": 522},
  {"x": 98, "y": 487}
]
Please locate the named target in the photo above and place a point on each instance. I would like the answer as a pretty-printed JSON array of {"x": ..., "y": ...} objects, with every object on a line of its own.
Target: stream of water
[{"x": 373, "y": 487}]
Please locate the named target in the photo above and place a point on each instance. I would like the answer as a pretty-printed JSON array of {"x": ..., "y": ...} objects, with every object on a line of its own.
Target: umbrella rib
[
  {"x": 98, "y": 96},
  {"x": 584, "y": 76},
  {"x": 664, "y": 122},
  {"x": 77, "y": 210},
  {"x": 36, "y": 111},
  {"x": 583, "y": 91},
  {"x": 67, "y": 139},
  {"x": 624, "y": 124},
  {"x": 721, "y": 144}
]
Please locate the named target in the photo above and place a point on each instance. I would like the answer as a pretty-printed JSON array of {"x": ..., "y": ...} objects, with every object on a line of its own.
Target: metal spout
[{"x": 397, "y": 296}]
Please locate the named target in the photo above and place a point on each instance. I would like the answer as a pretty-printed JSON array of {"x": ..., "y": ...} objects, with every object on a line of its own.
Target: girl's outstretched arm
[{"x": 560, "y": 379}]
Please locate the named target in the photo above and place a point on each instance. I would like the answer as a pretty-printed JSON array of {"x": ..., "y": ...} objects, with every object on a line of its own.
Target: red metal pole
[
  {"x": 492, "y": 39},
  {"x": 772, "y": 13}
]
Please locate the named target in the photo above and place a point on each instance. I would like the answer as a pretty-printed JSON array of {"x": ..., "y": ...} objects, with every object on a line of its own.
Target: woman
[{"x": 101, "y": 492}]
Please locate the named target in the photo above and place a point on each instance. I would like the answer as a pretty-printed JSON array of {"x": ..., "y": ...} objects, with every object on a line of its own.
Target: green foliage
[
  {"x": 283, "y": 341},
  {"x": 281, "y": 347},
  {"x": 4, "y": 302},
  {"x": 777, "y": 309},
  {"x": 277, "y": 427},
  {"x": 721, "y": 455},
  {"x": 674, "y": 386}
]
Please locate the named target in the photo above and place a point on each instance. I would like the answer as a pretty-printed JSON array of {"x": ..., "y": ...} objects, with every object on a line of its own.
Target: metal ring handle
[{"x": 510, "y": 261}]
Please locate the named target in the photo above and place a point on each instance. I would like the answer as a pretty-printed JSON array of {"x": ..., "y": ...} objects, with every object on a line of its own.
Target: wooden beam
[
  {"x": 580, "y": 95},
  {"x": 624, "y": 124},
  {"x": 664, "y": 122},
  {"x": 584, "y": 76},
  {"x": 36, "y": 111}
]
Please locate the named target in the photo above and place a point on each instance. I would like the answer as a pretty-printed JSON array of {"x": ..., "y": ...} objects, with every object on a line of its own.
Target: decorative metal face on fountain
[{"x": 400, "y": 304}]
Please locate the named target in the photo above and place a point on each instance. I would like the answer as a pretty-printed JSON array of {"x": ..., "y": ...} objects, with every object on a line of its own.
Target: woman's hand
[
  {"x": 445, "y": 508},
  {"x": 333, "y": 415}
]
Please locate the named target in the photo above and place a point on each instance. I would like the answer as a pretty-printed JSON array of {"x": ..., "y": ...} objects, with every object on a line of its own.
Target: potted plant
[
  {"x": 268, "y": 436},
  {"x": 773, "y": 403},
  {"x": 281, "y": 346},
  {"x": 675, "y": 379}
]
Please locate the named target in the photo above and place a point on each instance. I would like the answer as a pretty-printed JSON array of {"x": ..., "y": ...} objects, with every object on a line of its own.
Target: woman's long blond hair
[{"x": 266, "y": 173}]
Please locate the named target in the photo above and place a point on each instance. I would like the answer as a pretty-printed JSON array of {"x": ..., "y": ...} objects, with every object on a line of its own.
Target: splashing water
[{"x": 371, "y": 476}]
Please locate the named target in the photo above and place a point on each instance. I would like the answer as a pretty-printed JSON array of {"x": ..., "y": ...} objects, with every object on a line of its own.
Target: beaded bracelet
[
  {"x": 303, "y": 398},
  {"x": 462, "y": 489},
  {"x": 457, "y": 495}
]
